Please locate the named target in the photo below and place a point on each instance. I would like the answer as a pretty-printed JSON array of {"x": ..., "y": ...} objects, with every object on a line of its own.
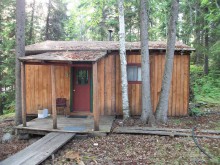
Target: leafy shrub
[
  {"x": 195, "y": 112},
  {"x": 205, "y": 88}
]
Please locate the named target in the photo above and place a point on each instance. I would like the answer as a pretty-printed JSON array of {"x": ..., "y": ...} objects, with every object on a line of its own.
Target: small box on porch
[{"x": 42, "y": 113}]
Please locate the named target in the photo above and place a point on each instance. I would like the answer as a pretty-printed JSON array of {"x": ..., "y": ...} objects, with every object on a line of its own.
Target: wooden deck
[
  {"x": 66, "y": 124},
  {"x": 40, "y": 150}
]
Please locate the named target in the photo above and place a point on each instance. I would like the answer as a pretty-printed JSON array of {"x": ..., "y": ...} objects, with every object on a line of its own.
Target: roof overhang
[
  {"x": 67, "y": 56},
  {"x": 52, "y": 46}
]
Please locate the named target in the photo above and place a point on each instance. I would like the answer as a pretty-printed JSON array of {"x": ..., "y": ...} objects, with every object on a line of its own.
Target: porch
[
  {"x": 75, "y": 124},
  {"x": 70, "y": 75}
]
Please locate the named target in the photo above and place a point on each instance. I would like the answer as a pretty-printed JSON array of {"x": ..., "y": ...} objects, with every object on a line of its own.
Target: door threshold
[{"x": 80, "y": 113}]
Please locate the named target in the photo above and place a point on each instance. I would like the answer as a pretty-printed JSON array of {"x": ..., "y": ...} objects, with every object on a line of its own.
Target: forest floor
[
  {"x": 130, "y": 149},
  {"x": 146, "y": 149},
  {"x": 13, "y": 145}
]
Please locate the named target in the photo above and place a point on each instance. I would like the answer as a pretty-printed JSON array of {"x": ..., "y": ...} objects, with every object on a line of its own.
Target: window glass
[
  {"x": 139, "y": 74},
  {"x": 82, "y": 76},
  {"x": 132, "y": 70},
  {"x": 134, "y": 73}
]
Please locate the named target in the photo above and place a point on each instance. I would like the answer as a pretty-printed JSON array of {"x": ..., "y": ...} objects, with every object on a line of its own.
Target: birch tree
[
  {"x": 162, "y": 107},
  {"x": 147, "y": 113},
  {"x": 124, "y": 82},
  {"x": 20, "y": 51}
]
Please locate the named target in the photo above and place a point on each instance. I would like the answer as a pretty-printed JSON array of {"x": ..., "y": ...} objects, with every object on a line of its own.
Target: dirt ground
[
  {"x": 13, "y": 146},
  {"x": 137, "y": 149},
  {"x": 145, "y": 149},
  {"x": 130, "y": 149}
]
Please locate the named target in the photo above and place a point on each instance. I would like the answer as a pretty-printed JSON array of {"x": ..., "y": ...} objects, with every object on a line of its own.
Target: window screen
[{"x": 134, "y": 73}]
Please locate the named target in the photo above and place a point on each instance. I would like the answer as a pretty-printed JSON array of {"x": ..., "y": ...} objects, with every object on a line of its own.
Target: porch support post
[
  {"x": 53, "y": 86},
  {"x": 23, "y": 94},
  {"x": 96, "y": 111}
]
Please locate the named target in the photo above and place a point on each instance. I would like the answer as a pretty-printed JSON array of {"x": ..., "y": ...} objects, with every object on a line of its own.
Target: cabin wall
[
  {"x": 107, "y": 87},
  {"x": 179, "y": 90},
  {"x": 109, "y": 91},
  {"x": 38, "y": 86}
]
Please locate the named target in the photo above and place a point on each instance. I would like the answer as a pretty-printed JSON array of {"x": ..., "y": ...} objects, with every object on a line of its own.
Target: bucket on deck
[{"x": 42, "y": 113}]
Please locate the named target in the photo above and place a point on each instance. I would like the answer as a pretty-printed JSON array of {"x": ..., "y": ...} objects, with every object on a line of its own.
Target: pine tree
[
  {"x": 20, "y": 51},
  {"x": 162, "y": 107}
]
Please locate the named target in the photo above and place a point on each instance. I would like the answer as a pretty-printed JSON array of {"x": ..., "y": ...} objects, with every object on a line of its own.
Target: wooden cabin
[{"x": 87, "y": 74}]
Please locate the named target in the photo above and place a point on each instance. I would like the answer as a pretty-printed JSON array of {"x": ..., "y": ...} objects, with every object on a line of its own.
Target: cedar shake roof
[
  {"x": 48, "y": 46},
  {"x": 89, "y": 56},
  {"x": 89, "y": 51}
]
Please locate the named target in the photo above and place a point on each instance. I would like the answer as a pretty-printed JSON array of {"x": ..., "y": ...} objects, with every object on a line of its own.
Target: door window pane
[{"x": 82, "y": 77}]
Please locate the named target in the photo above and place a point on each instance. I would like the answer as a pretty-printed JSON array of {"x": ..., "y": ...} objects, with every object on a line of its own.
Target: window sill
[{"x": 134, "y": 82}]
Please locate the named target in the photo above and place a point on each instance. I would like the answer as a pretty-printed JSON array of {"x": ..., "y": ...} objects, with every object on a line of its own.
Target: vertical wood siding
[
  {"x": 107, "y": 87},
  {"x": 38, "y": 86},
  {"x": 179, "y": 91}
]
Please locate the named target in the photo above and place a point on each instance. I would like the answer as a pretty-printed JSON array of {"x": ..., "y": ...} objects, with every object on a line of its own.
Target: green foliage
[
  {"x": 196, "y": 69},
  {"x": 57, "y": 17},
  {"x": 215, "y": 54},
  {"x": 7, "y": 116},
  {"x": 215, "y": 160},
  {"x": 195, "y": 112},
  {"x": 206, "y": 88},
  {"x": 217, "y": 125},
  {"x": 7, "y": 57}
]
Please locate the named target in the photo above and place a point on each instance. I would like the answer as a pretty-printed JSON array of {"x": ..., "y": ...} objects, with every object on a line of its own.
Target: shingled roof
[{"x": 49, "y": 46}]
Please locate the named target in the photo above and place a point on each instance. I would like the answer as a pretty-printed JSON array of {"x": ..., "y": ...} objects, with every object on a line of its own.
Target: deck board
[
  {"x": 40, "y": 150},
  {"x": 46, "y": 124}
]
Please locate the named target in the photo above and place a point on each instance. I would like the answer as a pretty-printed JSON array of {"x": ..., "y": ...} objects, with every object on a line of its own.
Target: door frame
[{"x": 72, "y": 69}]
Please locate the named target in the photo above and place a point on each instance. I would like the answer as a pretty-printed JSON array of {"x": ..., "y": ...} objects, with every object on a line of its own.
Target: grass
[
  {"x": 176, "y": 121},
  {"x": 7, "y": 116},
  {"x": 217, "y": 125}
]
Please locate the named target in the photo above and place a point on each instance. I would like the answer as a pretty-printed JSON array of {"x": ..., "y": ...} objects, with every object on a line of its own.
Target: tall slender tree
[
  {"x": 124, "y": 82},
  {"x": 147, "y": 113},
  {"x": 56, "y": 15},
  {"x": 30, "y": 37},
  {"x": 162, "y": 107},
  {"x": 1, "y": 93},
  {"x": 20, "y": 51},
  {"x": 206, "y": 57},
  {"x": 48, "y": 21},
  {"x": 1, "y": 69}
]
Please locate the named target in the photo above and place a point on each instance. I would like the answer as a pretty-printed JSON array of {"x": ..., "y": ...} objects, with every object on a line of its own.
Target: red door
[{"x": 81, "y": 89}]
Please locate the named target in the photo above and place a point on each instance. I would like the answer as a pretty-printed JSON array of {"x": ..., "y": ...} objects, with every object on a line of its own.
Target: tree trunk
[
  {"x": 206, "y": 58},
  {"x": 162, "y": 107},
  {"x": 1, "y": 96},
  {"x": 147, "y": 113},
  {"x": 20, "y": 51},
  {"x": 32, "y": 23},
  {"x": 48, "y": 21},
  {"x": 124, "y": 82},
  {"x": 197, "y": 33},
  {"x": 1, "y": 70}
]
